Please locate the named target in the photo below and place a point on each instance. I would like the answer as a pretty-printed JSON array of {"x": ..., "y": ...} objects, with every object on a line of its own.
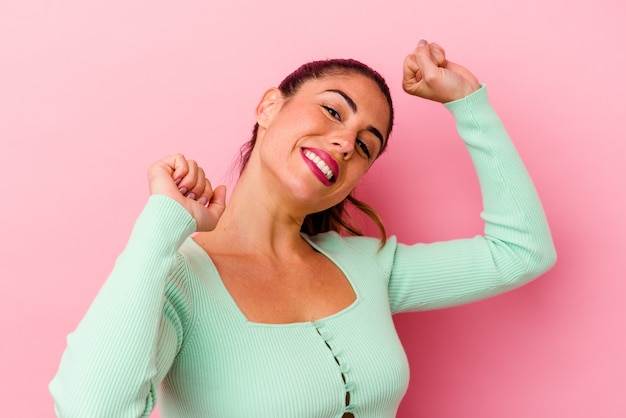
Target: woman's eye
[
  {"x": 363, "y": 147},
  {"x": 333, "y": 112}
]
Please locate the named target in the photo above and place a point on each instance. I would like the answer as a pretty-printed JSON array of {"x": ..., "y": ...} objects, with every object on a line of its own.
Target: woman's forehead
[{"x": 349, "y": 80}]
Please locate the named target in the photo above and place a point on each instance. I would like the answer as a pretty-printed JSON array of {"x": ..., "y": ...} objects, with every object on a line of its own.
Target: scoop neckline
[{"x": 240, "y": 314}]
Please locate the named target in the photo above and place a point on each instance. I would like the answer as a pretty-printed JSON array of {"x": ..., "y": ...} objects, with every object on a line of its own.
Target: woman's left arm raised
[{"x": 516, "y": 245}]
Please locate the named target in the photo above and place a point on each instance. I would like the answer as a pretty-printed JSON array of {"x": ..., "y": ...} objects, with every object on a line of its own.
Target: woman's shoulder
[
  {"x": 191, "y": 254},
  {"x": 361, "y": 249}
]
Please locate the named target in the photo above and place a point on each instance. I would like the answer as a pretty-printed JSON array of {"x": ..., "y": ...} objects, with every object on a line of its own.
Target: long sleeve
[
  {"x": 124, "y": 345},
  {"x": 516, "y": 246}
]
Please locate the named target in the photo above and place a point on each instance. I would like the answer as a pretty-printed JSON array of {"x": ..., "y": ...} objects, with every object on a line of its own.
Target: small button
[
  {"x": 350, "y": 386},
  {"x": 326, "y": 335},
  {"x": 336, "y": 351},
  {"x": 344, "y": 367},
  {"x": 350, "y": 408}
]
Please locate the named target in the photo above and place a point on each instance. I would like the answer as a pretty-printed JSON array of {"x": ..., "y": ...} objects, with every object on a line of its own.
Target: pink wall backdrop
[{"x": 92, "y": 92}]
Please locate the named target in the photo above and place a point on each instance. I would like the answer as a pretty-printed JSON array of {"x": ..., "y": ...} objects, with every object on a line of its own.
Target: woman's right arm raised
[{"x": 128, "y": 339}]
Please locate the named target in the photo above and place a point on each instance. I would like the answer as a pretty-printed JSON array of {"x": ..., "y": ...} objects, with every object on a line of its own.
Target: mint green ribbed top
[{"x": 165, "y": 327}]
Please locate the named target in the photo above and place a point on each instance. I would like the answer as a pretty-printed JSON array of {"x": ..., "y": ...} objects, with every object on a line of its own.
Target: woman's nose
[{"x": 344, "y": 143}]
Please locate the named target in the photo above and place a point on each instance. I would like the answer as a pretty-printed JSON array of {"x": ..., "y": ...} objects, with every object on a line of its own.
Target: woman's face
[{"x": 318, "y": 144}]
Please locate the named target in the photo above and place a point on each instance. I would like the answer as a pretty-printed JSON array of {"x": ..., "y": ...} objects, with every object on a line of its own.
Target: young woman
[{"x": 270, "y": 312}]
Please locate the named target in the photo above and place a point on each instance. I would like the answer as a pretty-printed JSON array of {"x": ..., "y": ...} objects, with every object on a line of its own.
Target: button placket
[{"x": 343, "y": 366}]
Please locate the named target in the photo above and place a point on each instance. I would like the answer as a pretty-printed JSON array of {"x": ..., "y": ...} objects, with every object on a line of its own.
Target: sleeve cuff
[{"x": 163, "y": 223}]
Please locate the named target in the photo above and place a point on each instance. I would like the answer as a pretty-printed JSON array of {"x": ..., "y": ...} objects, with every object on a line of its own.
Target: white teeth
[{"x": 319, "y": 163}]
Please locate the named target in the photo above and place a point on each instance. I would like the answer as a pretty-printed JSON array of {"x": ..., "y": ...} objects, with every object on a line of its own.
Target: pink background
[{"x": 92, "y": 92}]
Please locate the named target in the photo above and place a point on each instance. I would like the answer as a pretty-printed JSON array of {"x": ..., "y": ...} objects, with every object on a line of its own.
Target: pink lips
[{"x": 326, "y": 158}]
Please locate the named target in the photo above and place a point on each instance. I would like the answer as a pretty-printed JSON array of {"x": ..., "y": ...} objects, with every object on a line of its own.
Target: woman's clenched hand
[
  {"x": 428, "y": 74},
  {"x": 184, "y": 181}
]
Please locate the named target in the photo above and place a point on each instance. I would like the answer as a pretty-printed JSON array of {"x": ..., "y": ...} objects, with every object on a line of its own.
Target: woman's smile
[{"x": 321, "y": 164}]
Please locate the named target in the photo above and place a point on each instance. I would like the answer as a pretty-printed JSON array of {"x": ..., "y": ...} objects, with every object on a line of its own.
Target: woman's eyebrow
[
  {"x": 347, "y": 98},
  {"x": 354, "y": 108}
]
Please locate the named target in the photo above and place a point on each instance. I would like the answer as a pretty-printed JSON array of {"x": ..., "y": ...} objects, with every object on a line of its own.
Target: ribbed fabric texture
[{"x": 164, "y": 320}]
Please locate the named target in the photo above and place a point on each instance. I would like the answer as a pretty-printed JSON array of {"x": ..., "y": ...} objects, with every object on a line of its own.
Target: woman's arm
[
  {"x": 516, "y": 246},
  {"x": 125, "y": 344}
]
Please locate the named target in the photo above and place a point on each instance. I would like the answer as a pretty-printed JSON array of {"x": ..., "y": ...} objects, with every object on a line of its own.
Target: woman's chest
[
  {"x": 280, "y": 293},
  {"x": 351, "y": 361}
]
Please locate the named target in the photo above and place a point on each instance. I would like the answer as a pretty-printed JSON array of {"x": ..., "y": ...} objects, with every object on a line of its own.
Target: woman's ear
[{"x": 268, "y": 106}]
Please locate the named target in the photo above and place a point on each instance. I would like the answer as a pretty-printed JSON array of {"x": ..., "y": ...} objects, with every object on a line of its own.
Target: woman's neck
[{"x": 257, "y": 221}]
